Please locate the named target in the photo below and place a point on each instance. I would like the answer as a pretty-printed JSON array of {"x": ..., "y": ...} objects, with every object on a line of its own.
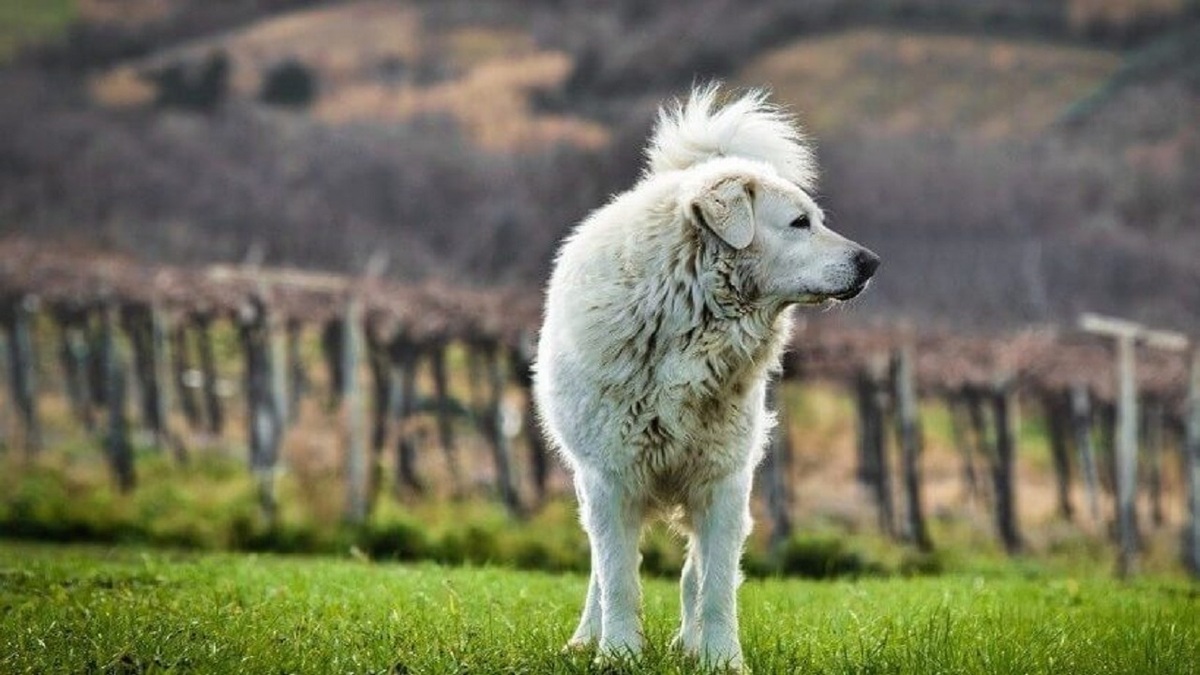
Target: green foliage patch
[{"x": 23, "y": 22}]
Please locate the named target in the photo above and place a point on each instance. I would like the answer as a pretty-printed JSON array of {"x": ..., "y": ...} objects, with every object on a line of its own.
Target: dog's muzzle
[{"x": 865, "y": 264}]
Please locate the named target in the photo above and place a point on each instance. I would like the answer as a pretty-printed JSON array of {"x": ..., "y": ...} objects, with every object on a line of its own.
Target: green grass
[
  {"x": 89, "y": 609},
  {"x": 23, "y": 22}
]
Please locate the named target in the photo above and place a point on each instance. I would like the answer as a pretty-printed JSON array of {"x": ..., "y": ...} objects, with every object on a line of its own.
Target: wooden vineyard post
[
  {"x": 960, "y": 430},
  {"x": 403, "y": 405},
  {"x": 332, "y": 335},
  {"x": 1154, "y": 422},
  {"x": 208, "y": 369},
  {"x": 73, "y": 357},
  {"x": 143, "y": 325},
  {"x": 441, "y": 385},
  {"x": 22, "y": 371},
  {"x": 383, "y": 397},
  {"x": 1081, "y": 422},
  {"x": 160, "y": 341},
  {"x": 296, "y": 377},
  {"x": 264, "y": 417},
  {"x": 978, "y": 418},
  {"x": 774, "y": 472},
  {"x": 357, "y": 470},
  {"x": 180, "y": 365},
  {"x": 874, "y": 469},
  {"x": 118, "y": 447},
  {"x": 521, "y": 364},
  {"x": 1192, "y": 451},
  {"x": 281, "y": 373},
  {"x": 1055, "y": 407},
  {"x": 1003, "y": 468},
  {"x": 1128, "y": 335},
  {"x": 493, "y": 416},
  {"x": 908, "y": 431}
]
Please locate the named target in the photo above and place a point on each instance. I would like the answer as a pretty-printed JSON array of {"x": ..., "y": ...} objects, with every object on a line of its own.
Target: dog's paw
[
  {"x": 728, "y": 660},
  {"x": 578, "y": 646},
  {"x": 685, "y": 644},
  {"x": 618, "y": 654}
]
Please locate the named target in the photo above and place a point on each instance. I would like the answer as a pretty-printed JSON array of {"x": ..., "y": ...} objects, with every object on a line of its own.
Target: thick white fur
[{"x": 665, "y": 313}]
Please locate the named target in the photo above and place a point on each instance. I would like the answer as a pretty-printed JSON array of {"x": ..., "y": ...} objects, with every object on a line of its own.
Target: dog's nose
[{"x": 866, "y": 262}]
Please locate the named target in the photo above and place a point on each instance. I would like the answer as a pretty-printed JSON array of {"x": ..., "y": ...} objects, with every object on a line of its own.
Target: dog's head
[{"x": 774, "y": 233}]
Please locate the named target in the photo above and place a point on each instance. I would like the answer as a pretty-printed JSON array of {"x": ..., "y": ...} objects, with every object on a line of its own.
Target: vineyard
[{"x": 131, "y": 349}]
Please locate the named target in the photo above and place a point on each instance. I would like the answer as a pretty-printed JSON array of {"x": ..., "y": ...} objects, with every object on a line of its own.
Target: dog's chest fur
[{"x": 662, "y": 358}]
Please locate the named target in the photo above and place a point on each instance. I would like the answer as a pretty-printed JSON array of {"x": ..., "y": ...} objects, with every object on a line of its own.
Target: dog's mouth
[
  {"x": 852, "y": 292},
  {"x": 817, "y": 299}
]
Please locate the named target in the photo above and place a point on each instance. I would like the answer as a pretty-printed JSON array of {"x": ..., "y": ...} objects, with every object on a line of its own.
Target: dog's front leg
[
  {"x": 721, "y": 527},
  {"x": 613, "y": 523}
]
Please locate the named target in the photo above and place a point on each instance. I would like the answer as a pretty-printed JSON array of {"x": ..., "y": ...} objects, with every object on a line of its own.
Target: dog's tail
[{"x": 689, "y": 133}]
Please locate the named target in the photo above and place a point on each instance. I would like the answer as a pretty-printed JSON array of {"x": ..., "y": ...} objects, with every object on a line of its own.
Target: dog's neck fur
[{"x": 744, "y": 332}]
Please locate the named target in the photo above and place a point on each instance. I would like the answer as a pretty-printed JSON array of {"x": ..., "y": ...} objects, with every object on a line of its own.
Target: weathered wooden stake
[
  {"x": 960, "y": 430},
  {"x": 160, "y": 343},
  {"x": 404, "y": 371},
  {"x": 73, "y": 358},
  {"x": 208, "y": 369},
  {"x": 297, "y": 377},
  {"x": 521, "y": 363},
  {"x": 1126, "y": 455},
  {"x": 1055, "y": 407},
  {"x": 382, "y": 400},
  {"x": 1003, "y": 469},
  {"x": 1154, "y": 423},
  {"x": 332, "y": 350},
  {"x": 774, "y": 473},
  {"x": 22, "y": 371},
  {"x": 1192, "y": 443},
  {"x": 357, "y": 469},
  {"x": 139, "y": 325},
  {"x": 979, "y": 416},
  {"x": 264, "y": 418},
  {"x": 117, "y": 443},
  {"x": 437, "y": 357},
  {"x": 908, "y": 432},
  {"x": 493, "y": 426},
  {"x": 1081, "y": 421},
  {"x": 180, "y": 365},
  {"x": 1127, "y": 336},
  {"x": 96, "y": 376},
  {"x": 875, "y": 470}
]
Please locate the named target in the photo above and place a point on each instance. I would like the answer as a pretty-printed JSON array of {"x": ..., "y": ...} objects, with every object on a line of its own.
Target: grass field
[{"x": 88, "y": 609}]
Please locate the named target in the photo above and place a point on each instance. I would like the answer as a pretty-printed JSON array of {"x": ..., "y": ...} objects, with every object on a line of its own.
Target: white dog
[{"x": 666, "y": 312}]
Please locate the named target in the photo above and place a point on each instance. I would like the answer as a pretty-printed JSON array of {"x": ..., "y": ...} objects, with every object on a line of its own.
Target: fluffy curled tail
[{"x": 688, "y": 133}]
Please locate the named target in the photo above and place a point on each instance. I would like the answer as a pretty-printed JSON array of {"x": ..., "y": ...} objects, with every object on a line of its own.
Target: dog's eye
[{"x": 800, "y": 223}]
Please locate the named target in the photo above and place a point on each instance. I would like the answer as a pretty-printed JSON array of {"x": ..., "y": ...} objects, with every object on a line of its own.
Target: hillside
[
  {"x": 984, "y": 149},
  {"x": 896, "y": 82}
]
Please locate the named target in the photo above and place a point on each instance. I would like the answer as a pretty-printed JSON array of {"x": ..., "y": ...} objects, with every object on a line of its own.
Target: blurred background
[{"x": 1014, "y": 162}]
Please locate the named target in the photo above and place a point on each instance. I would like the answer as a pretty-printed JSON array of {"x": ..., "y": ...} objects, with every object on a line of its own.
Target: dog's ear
[{"x": 727, "y": 208}]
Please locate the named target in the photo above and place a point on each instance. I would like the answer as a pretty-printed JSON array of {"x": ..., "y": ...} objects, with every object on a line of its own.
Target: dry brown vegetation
[
  {"x": 895, "y": 82},
  {"x": 377, "y": 62}
]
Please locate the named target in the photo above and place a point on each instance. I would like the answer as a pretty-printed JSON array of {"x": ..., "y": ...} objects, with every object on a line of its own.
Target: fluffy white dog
[{"x": 666, "y": 312}]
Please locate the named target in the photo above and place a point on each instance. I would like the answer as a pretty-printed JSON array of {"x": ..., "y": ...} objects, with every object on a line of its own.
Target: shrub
[{"x": 290, "y": 83}]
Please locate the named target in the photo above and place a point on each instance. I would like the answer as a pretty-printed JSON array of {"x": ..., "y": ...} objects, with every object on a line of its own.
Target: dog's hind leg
[
  {"x": 588, "y": 631},
  {"x": 721, "y": 526},
  {"x": 613, "y": 523}
]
